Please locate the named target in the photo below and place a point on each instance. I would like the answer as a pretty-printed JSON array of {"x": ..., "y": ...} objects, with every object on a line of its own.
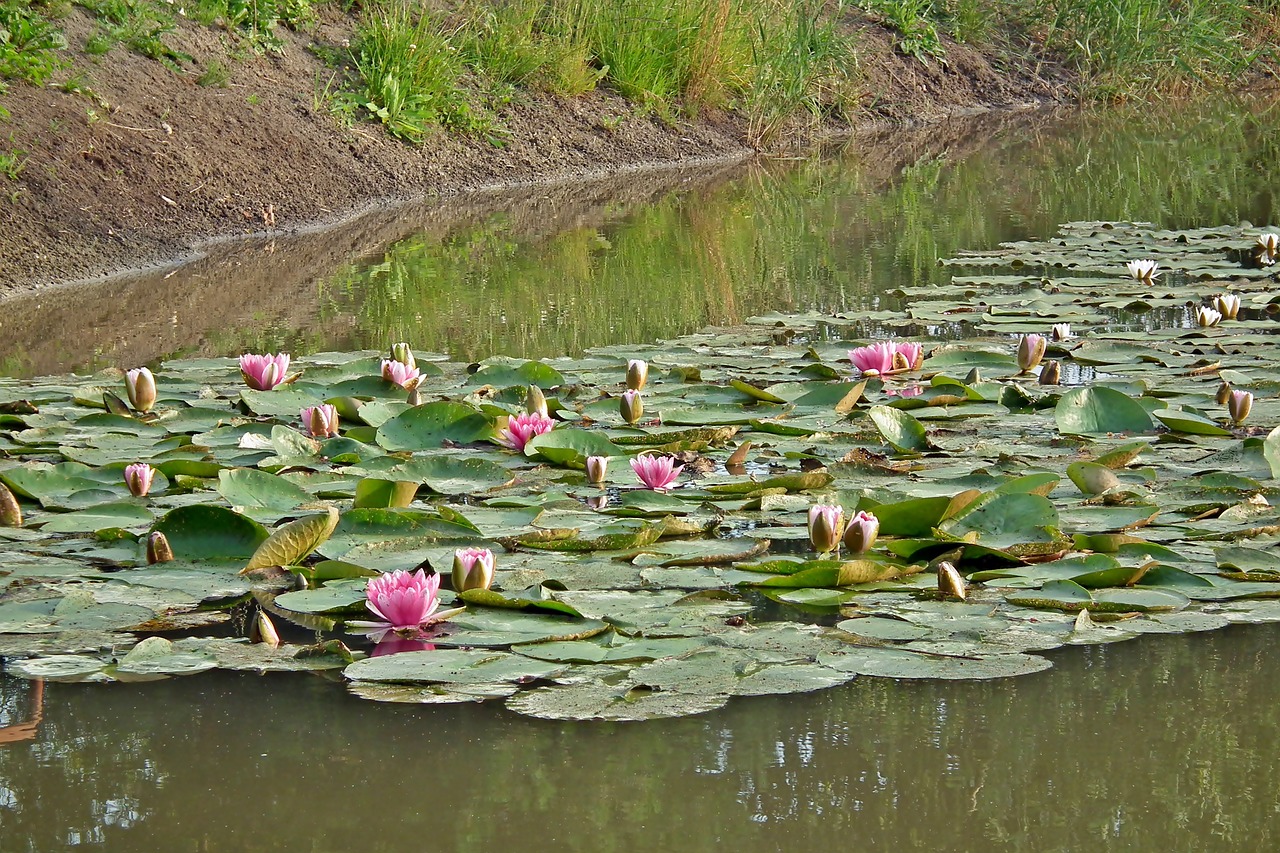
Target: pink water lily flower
[
  {"x": 264, "y": 372},
  {"x": 472, "y": 569},
  {"x": 140, "y": 386},
  {"x": 826, "y": 525},
  {"x": 521, "y": 428},
  {"x": 321, "y": 421},
  {"x": 861, "y": 532},
  {"x": 399, "y": 373},
  {"x": 138, "y": 477},
  {"x": 406, "y": 602},
  {"x": 656, "y": 472},
  {"x": 887, "y": 357}
]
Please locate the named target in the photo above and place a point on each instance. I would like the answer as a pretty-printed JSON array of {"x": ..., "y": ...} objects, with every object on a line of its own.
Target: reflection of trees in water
[{"x": 1162, "y": 743}]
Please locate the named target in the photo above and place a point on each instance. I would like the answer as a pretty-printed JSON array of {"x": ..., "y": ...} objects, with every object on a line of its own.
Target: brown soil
[{"x": 155, "y": 166}]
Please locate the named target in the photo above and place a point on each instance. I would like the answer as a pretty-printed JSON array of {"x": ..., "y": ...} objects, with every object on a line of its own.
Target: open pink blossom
[
  {"x": 264, "y": 372},
  {"x": 138, "y": 477},
  {"x": 887, "y": 357},
  {"x": 521, "y": 428},
  {"x": 403, "y": 599},
  {"x": 404, "y": 375},
  {"x": 656, "y": 472}
]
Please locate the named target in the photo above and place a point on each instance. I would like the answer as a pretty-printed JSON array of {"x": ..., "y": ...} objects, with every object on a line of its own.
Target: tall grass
[{"x": 1126, "y": 48}]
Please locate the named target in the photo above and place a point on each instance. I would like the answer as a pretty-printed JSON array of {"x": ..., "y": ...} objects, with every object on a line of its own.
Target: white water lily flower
[
  {"x": 1061, "y": 331},
  {"x": 1227, "y": 304},
  {"x": 1268, "y": 247},
  {"x": 1145, "y": 270},
  {"x": 1206, "y": 317}
]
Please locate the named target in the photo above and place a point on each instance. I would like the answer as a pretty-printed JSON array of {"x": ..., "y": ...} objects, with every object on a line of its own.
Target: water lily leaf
[
  {"x": 1092, "y": 478},
  {"x": 362, "y": 532},
  {"x": 1095, "y": 410},
  {"x": 571, "y": 446},
  {"x": 1191, "y": 423},
  {"x": 598, "y": 700},
  {"x": 430, "y": 694},
  {"x": 61, "y": 668},
  {"x": 289, "y": 543},
  {"x": 1143, "y": 600},
  {"x": 157, "y": 656},
  {"x": 755, "y": 393},
  {"x": 48, "y": 484},
  {"x": 452, "y": 666},
  {"x": 249, "y": 487},
  {"x": 738, "y": 672},
  {"x": 904, "y": 433},
  {"x": 901, "y": 663},
  {"x": 99, "y": 517},
  {"x": 809, "y": 597},
  {"x": 1271, "y": 452},
  {"x": 450, "y": 475},
  {"x": 433, "y": 425},
  {"x": 200, "y": 582},
  {"x": 537, "y": 600},
  {"x": 1246, "y": 559},
  {"x": 1003, "y": 520},
  {"x": 340, "y": 596},
  {"x": 913, "y": 517},
  {"x": 374, "y": 493},
  {"x": 1055, "y": 595},
  {"x": 529, "y": 373},
  {"x": 880, "y": 628},
  {"x": 807, "y": 481},
  {"x": 831, "y": 573},
  {"x": 203, "y": 532},
  {"x": 282, "y": 402},
  {"x": 488, "y": 627},
  {"x": 615, "y": 649}
]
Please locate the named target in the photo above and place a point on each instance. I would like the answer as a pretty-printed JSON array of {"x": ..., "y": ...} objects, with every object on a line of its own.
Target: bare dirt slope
[{"x": 150, "y": 165}]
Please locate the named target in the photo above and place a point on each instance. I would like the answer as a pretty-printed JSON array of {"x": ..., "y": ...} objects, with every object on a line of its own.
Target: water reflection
[
  {"x": 1162, "y": 743},
  {"x": 556, "y": 269}
]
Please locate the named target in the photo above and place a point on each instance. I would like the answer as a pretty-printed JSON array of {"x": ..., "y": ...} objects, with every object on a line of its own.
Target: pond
[{"x": 1159, "y": 743}]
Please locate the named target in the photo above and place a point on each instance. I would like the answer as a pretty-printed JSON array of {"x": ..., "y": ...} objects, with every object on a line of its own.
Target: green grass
[
  {"x": 29, "y": 43},
  {"x": 12, "y": 163},
  {"x": 914, "y": 23}
]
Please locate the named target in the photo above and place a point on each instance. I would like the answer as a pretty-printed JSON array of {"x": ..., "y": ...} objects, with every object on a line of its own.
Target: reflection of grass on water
[{"x": 826, "y": 235}]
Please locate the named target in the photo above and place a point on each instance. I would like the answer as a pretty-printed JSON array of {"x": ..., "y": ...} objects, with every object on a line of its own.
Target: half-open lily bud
[
  {"x": 1144, "y": 271},
  {"x": 596, "y": 466},
  {"x": 535, "y": 402},
  {"x": 1030, "y": 351},
  {"x": 637, "y": 373},
  {"x": 321, "y": 421},
  {"x": 631, "y": 406},
  {"x": 1224, "y": 393},
  {"x": 861, "y": 533},
  {"x": 950, "y": 581},
  {"x": 1061, "y": 332},
  {"x": 138, "y": 477},
  {"x": 140, "y": 386},
  {"x": 263, "y": 630},
  {"x": 472, "y": 569},
  {"x": 264, "y": 372},
  {"x": 1239, "y": 404},
  {"x": 1227, "y": 304},
  {"x": 10, "y": 511},
  {"x": 1206, "y": 317},
  {"x": 826, "y": 524},
  {"x": 400, "y": 352},
  {"x": 1051, "y": 373},
  {"x": 158, "y": 548}
]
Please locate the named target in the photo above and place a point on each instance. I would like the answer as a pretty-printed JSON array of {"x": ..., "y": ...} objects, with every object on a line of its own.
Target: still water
[{"x": 1165, "y": 743}]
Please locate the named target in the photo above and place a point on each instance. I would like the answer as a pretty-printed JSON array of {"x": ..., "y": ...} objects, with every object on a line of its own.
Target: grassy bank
[{"x": 418, "y": 67}]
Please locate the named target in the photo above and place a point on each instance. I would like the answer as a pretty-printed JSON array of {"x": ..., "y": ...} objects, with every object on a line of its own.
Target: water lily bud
[
  {"x": 1144, "y": 271},
  {"x": 472, "y": 569},
  {"x": 10, "y": 511},
  {"x": 1224, "y": 393},
  {"x": 1206, "y": 317},
  {"x": 158, "y": 548},
  {"x": 826, "y": 523},
  {"x": 535, "y": 402},
  {"x": 400, "y": 352},
  {"x": 264, "y": 631},
  {"x": 1030, "y": 351},
  {"x": 631, "y": 406},
  {"x": 321, "y": 421},
  {"x": 1239, "y": 405},
  {"x": 950, "y": 581},
  {"x": 140, "y": 386},
  {"x": 1061, "y": 331},
  {"x": 1051, "y": 373},
  {"x": 973, "y": 376},
  {"x": 1227, "y": 304},
  {"x": 138, "y": 477},
  {"x": 637, "y": 374},
  {"x": 596, "y": 466},
  {"x": 861, "y": 533}
]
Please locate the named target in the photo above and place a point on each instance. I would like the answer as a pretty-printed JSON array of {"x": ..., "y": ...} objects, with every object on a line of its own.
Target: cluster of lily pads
[{"x": 1052, "y": 461}]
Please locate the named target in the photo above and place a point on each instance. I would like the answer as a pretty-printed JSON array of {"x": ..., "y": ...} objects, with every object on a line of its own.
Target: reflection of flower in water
[
  {"x": 909, "y": 391},
  {"x": 394, "y": 645}
]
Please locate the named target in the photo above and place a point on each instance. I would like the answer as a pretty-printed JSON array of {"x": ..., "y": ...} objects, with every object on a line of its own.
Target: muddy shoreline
[{"x": 152, "y": 169}]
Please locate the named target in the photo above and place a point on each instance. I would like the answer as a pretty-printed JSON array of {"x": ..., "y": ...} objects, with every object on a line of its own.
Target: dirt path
[{"x": 152, "y": 166}]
